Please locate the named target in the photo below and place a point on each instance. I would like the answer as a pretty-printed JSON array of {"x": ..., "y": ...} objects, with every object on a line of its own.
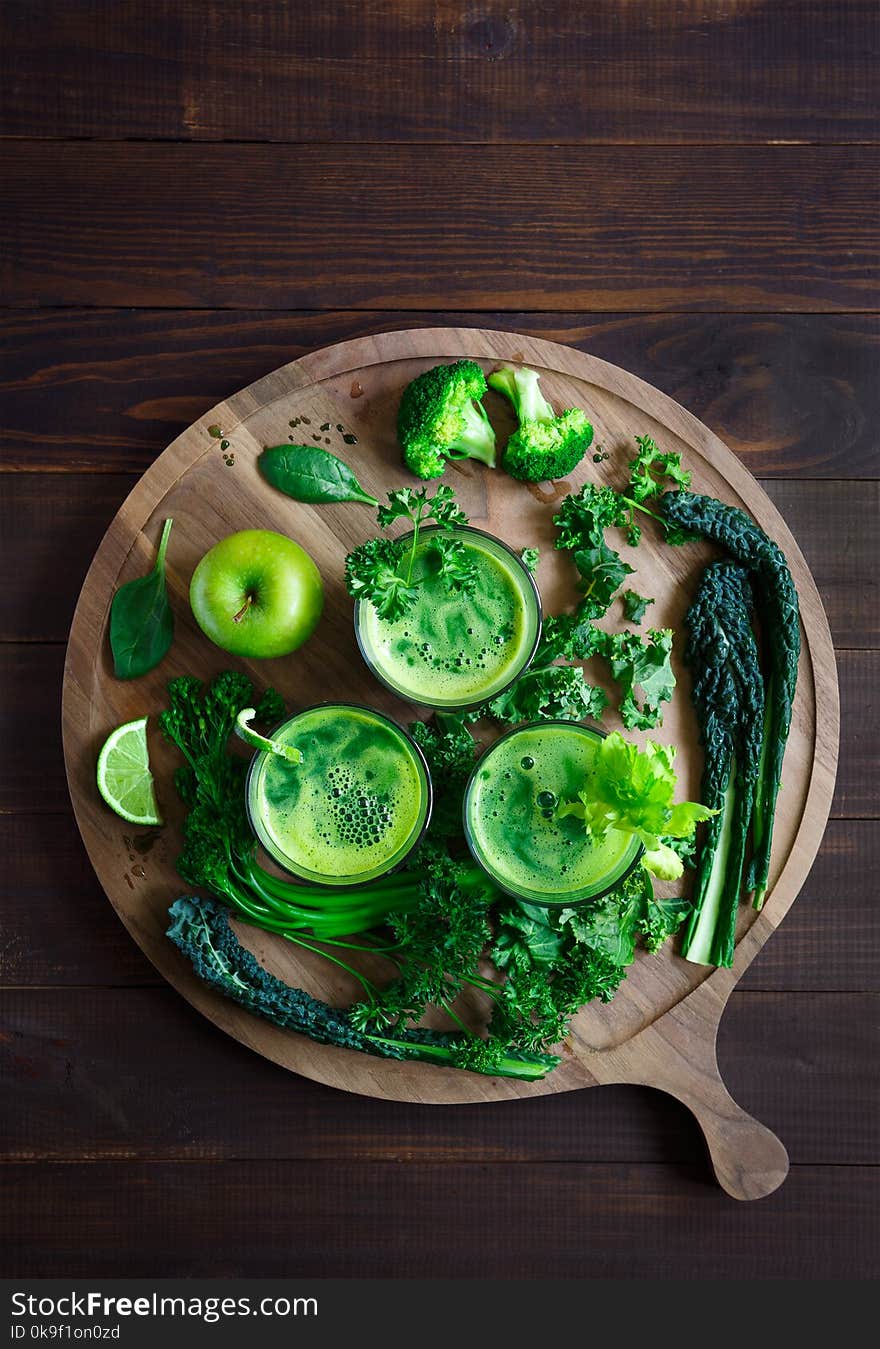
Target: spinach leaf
[
  {"x": 308, "y": 474},
  {"x": 141, "y": 622}
]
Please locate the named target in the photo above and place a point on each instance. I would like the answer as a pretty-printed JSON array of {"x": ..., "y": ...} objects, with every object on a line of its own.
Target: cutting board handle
[
  {"x": 677, "y": 1055},
  {"x": 749, "y": 1161}
]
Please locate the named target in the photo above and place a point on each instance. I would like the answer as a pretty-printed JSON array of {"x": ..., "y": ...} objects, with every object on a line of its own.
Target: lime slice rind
[
  {"x": 256, "y": 741},
  {"x": 123, "y": 774}
]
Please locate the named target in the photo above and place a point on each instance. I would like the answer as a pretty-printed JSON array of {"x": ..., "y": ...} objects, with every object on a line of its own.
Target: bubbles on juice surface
[{"x": 361, "y": 818}]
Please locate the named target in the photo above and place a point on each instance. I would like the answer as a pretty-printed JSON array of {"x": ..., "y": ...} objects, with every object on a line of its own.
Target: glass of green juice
[
  {"x": 354, "y": 808},
  {"x": 512, "y": 826},
  {"x": 456, "y": 651}
]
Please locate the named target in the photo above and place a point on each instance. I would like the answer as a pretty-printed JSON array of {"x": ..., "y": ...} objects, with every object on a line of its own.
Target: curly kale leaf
[
  {"x": 526, "y": 927},
  {"x": 663, "y": 918},
  {"x": 584, "y": 516},
  {"x": 636, "y": 663},
  {"x": 602, "y": 572},
  {"x": 634, "y": 606},
  {"x": 650, "y": 467}
]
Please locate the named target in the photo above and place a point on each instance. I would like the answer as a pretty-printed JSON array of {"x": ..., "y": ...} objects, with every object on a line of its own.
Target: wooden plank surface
[
  {"x": 412, "y": 70},
  {"x": 647, "y": 228},
  {"x": 472, "y": 1220},
  {"x": 793, "y": 395},
  {"x": 201, "y": 1104}
]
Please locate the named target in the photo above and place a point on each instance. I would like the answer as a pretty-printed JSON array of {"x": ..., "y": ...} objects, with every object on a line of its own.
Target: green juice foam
[
  {"x": 454, "y": 650},
  {"x": 352, "y": 809},
  {"x": 512, "y": 826}
]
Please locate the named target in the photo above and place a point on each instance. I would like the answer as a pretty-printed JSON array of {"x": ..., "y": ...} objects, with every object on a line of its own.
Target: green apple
[{"x": 257, "y": 593}]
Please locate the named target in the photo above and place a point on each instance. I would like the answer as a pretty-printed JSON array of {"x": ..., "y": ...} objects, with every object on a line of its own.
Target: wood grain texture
[
  {"x": 832, "y": 521},
  {"x": 322, "y": 227},
  {"x": 57, "y": 929},
  {"x": 666, "y": 1015},
  {"x": 546, "y": 1220},
  {"x": 503, "y": 71},
  {"x": 201, "y": 1105},
  {"x": 106, "y": 390}
]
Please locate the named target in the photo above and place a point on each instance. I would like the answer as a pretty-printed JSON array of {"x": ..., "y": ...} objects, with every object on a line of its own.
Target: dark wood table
[{"x": 196, "y": 192}]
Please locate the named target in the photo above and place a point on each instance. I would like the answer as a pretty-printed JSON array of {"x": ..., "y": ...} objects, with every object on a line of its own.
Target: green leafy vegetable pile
[{"x": 436, "y": 923}]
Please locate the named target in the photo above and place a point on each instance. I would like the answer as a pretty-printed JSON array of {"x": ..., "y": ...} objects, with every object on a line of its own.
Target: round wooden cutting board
[{"x": 660, "y": 1029}]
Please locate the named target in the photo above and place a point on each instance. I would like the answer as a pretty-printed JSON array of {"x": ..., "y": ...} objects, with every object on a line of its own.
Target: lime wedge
[{"x": 124, "y": 777}]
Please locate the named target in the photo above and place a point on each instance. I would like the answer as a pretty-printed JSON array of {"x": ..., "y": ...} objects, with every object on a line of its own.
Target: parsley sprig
[{"x": 382, "y": 569}]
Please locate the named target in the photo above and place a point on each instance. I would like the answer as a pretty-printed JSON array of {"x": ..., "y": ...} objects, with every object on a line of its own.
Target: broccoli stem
[
  {"x": 522, "y": 388},
  {"x": 478, "y": 440}
]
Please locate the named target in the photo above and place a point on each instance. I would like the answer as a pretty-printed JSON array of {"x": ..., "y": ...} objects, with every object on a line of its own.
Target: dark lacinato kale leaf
[{"x": 778, "y": 611}]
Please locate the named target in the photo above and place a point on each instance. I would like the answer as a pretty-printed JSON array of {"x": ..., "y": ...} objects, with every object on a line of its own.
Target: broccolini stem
[
  {"x": 368, "y": 986},
  {"x": 508, "y": 1066},
  {"x": 447, "y": 1007}
]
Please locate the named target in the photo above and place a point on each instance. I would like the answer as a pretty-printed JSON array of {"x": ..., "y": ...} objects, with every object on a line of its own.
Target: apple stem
[{"x": 249, "y": 599}]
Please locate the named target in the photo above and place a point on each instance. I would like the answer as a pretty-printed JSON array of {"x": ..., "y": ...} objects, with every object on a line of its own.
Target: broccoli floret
[
  {"x": 543, "y": 446},
  {"x": 441, "y": 417}
]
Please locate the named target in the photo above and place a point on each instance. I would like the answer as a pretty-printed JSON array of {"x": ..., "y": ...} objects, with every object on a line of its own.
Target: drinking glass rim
[
  {"x": 539, "y": 622},
  {"x": 418, "y": 756},
  {"x": 589, "y": 729}
]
